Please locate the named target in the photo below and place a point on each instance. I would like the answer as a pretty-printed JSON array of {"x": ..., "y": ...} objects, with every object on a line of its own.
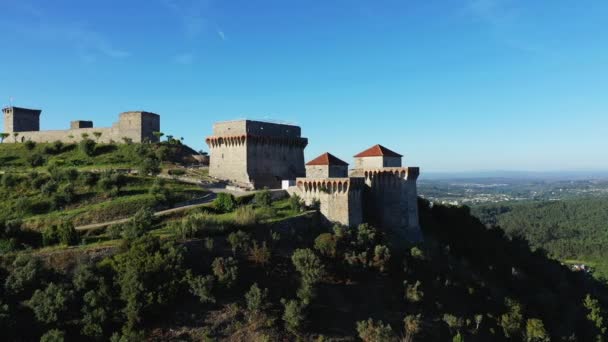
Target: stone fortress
[
  {"x": 379, "y": 190},
  {"x": 135, "y": 126}
]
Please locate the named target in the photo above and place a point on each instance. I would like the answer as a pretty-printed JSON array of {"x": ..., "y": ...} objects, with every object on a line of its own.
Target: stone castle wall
[
  {"x": 340, "y": 199},
  {"x": 391, "y": 199},
  {"x": 136, "y": 126},
  {"x": 256, "y": 154}
]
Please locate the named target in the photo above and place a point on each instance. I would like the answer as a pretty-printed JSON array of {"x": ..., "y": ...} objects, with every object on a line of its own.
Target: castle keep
[
  {"x": 256, "y": 154},
  {"x": 136, "y": 126}
]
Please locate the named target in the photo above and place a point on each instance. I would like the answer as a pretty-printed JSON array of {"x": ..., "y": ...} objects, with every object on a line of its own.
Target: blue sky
[{"x": 453, "y": 85}]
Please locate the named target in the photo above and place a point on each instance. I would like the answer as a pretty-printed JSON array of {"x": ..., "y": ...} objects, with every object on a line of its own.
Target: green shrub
[
  {"x": 224, "y": 202},
  {"x": 201, "y": 287},
  {"x": 89, "y": 178},
  {"x": 308, "y": 265},
  {"x": 9, "y": 180},
  {"x": 36, "y": 159},
  {"x": 239, "y": 241},
  {"x": 176, "y": 172},
  {"x": 49, "y": 304},
  {"x": 159, "y": 191},
  {"x": 53, "y": 335},
  {"x": 50, "y": 236},
  {"x": 371, "y": 331},
  {"x": 196, "y": 224},
  {"x": 226, "y": 270},
  {"x": 296, "y": 204},
  {"x": 68, "y": 234},
  {"x": 245, "y": 216},
  {"x": 29, "y": 145},
  {"x": 26, "y": 274},
  {"x": 87, "y": 146},
  {"x": 149, "y": 165},
  {"x": 326, "y": 244},
  {"x": 293, "y": 315},
  {"x": 263, "y": 198},
  {"x": 256, "y": 299},
  {"x": 139, "y": 224}
]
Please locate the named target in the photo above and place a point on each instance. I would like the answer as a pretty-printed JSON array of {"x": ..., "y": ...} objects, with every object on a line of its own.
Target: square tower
[
  {"x": 139, "y": 126},
  {"x": 256, "y": 154},
  {"x": 21, "y": 119}
]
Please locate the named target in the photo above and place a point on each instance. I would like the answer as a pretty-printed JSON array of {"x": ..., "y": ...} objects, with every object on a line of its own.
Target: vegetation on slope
[
  {"x": 569, "y": 230},
  {"x": 249, "y": 279}
]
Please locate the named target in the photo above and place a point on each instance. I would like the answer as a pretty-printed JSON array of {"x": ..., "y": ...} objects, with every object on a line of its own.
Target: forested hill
[
  {"x": 222, "y": 273},
  {"x": 575, "y": 230}
]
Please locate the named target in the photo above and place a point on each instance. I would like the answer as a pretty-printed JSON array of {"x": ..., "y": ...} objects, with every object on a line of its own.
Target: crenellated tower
[
  {"x": 256, "y": 154},
  {"x": 391, "y": 197}
]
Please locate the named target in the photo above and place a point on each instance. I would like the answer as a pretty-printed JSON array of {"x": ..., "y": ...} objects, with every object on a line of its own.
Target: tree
[
  {"x": 535, "y": 331},
  {"x": 84, "y": 136},
  {"x": 150, "y": 165},
  {"x": 158, "y": 135},
  {"x": 372, "y": 331},
  {"x": 413, "y": 326},
  {"x": 201, "y": 286},
  {"x": 139, "y": 224},
  {"x": 511, "y": 322},
  {"x": 97, "y": 135},
  {"x": 49, "y": 304},
  {"x": 413, "y": 293},
  {"x": 256, "y": 300},
  {"x": 53, "y": 335},
  {"x": 149, "y": 275},
  {"x": 3, "y": 136},
  {"x": 296, "y": 204},
  {"x": 239, "y": 241},
  {"x": 595, "y": 315},
  {"x": 308, "y": 265},
  {"x": 293, "y": 315},
  {"x": 226, "y": 270},
  {"x": 382, "y": 256},
  {"x": 326, "y": 244},
  {"x": 87, "y": 146},
  {"x": 15, "y": 135},
  {"x": 25, "y": 275}
]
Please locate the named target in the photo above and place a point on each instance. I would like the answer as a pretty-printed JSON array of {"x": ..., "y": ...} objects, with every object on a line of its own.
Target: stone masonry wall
[
  {"x": 340, "y": 199},
  {"x": 137, "y": 126}
]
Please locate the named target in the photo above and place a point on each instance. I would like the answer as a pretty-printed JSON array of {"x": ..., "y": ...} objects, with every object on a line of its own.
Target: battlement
[
  {"x": 241, "y": 140},
  {"x": 405, "y": 173},
  {"x": 330, "y": 185},
  {"x": 255, "y": 128}
]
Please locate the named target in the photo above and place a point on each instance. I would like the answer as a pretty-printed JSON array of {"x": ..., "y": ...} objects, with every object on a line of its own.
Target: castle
[
  {"x": 255, "y": 154},
  {"x": 135, "y": 126}
]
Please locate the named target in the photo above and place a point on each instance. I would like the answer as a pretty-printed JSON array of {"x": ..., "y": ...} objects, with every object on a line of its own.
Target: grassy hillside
[
  {"x": 45, "y": 184},
  {"x": 574, "y": 231},
  {"x": 272, "y": 272}
]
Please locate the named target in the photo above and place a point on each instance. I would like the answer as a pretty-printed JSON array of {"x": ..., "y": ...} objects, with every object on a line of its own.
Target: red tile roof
[
  {"x": 378, "y": 151},
  {"x": 327, "y": 159}
]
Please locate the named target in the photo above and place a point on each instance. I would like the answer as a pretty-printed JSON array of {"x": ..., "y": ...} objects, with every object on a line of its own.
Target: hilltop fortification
[{"x": 24, "y": 124}]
